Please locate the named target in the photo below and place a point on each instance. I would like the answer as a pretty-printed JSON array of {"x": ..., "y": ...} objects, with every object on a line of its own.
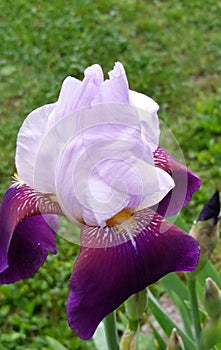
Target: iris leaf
[
  {"x": 178, "y": 293},
  {"x": 172, "y": 282},
  {"x": 167, "y": 324},
  {"x": 99, "y": 338},
  {"x": 158, "y": 337},
  {"x": 55, "y": 344}
]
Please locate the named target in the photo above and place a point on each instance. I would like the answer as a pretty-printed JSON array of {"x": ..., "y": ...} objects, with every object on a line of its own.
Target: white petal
[
  {"x": 105, "y": 119},
  {"x": 107, "y": 176},
  {"x": 147, "y": 109},
  {"x": 161, "y": 185},
  {"x": 29, "y": 139},
  {"x": 76, "y": 94}
]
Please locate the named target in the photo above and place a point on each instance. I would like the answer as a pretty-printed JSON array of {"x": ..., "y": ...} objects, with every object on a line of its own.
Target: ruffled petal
[
  {"x": 29, "y": 140},
  {"x": 73, "y": 96},
  {"x": 18, "y": 203},
  {"x": 186, "y": 183},
  {"x": 110, "y": 172},
  {"x": 29, "y": 247},
  {"x": 76, "y": 94},
  {"x": 104, "y": 117},
  {"x": 103, "y": 278},
  {"x": 115, "y": 89}
]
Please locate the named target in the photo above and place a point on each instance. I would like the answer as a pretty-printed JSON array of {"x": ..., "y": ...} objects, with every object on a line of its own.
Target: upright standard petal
[
  {"x": 147, "y": 109},
  {"x": 186, "y": 183},
  {"x": 115, "y": 89},
  {"x": 103, "y": 278},
  {"x": 29, "y": 140},
  {"x": 18, "y": 203},
  {"x": 110, "y": 172},
  {"x": 76, "y": 94},
  {"x": 104, "y": 117}
]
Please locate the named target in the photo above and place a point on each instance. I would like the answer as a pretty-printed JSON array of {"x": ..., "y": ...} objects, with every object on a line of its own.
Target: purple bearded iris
[{"x": 93, "y": 156}]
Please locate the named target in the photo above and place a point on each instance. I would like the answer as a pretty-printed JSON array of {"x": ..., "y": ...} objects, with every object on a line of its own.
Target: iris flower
[{"x": 94, "y": 157}]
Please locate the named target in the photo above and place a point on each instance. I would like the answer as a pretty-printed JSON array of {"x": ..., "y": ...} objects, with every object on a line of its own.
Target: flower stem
[
  {"x": 111, "y": 331},
  {"x": 194, "y": 308}
]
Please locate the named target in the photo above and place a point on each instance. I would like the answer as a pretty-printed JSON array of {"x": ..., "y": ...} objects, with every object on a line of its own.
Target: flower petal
[
  {"x": 211, "y": 209},
  {"x": 18, "y": 203},
  {"x": 115, "y": 89},
  {"x": 76, "y": 94},
  {"x": 110, "y": 172},
  {"x": 186, "y": 183},
  {"x": 147, "y": 109},
  {"x": 103, "y": 278},
  {"x": 29, "y": 246},
  {"x": 102, "y": 116},
  {"x": 29, "y": 140}
]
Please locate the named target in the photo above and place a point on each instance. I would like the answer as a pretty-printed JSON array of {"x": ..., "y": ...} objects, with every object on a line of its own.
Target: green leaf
[
  {"x": 145, "y": 342},
  {"x": 158, "y": 337},
  {"x": 209, "y": 271},
  {"x": 178, "y": 293},
  {"x": 55, "y": 344},
  {"x": 184, "y": 313},
  {"x": 167, "y": 324},
  {"x": 99, "y": 338},
  {"x": 122, "y": 321},
  {"x": 172, "y": 283}
]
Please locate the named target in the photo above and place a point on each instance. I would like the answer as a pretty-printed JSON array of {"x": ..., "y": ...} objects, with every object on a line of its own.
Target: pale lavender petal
[
  {"x": 29, "y": 140},
  {"x": 186, "y": 183},
  {"x": 105, "y": 117},
  {"x": 103, "y": 278},
  {"x": 18, "y": 203},
  {"x": 32, "y": 239},
  {"x": 107, "y": 175},
  {"x": 115, "y": 89},
  {"x": 147, "y": 109},
  {"x": 75, "y": 94},
  {"x": 69, "y": 91}
]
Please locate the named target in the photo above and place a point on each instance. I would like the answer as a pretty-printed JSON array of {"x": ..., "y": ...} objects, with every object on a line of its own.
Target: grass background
[{"x": 171, "y": 51}]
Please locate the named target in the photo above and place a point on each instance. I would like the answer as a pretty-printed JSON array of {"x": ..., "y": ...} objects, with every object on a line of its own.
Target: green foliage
[{"x": 171, "y": 52}]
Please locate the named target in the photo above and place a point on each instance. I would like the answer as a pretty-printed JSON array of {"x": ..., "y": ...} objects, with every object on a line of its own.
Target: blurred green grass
[{"x": 171, "y": 51}]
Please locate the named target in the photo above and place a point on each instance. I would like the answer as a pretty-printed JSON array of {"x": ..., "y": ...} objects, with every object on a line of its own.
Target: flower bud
[
  {"x": 206, "y": 230},
  {"x": 128, "y": 340},
  {"x": 210, "y": 334},
  {"x": 136, "y": 305},
  {"x": 175, "y": 342},
  {"x": 212, "y": 298}
]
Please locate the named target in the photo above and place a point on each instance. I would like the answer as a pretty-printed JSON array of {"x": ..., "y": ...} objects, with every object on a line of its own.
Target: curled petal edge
[{"x": 20, "y": 202}]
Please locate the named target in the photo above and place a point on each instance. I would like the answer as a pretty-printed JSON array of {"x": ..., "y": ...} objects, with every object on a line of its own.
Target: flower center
[{"x": 120, "y": 217}]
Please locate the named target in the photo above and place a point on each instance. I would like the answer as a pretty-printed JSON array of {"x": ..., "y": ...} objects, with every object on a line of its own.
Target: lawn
[{"x": 171, "y": 51}]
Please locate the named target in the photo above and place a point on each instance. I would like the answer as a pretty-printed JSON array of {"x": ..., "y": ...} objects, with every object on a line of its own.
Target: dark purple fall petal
[
  {"x": 103, "y": 278},
  {"x": 31, "y": 241},
  {"x": 18, "y": 203},
  {"x": 211, "y": 209},
  {"x": 186, "y": 183}
]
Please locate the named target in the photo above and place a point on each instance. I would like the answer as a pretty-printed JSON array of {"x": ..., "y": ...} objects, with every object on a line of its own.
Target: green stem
[
  {"x": 111, "y": 331},
  {"x": 194, "y": 308}
]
